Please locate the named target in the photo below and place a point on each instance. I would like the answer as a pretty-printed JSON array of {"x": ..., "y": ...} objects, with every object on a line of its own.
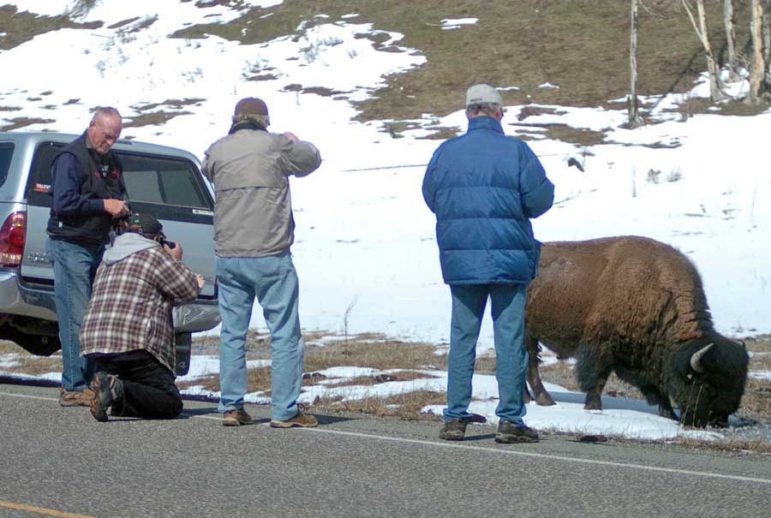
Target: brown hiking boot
[
  {"x": 301, "y": 420},
  {"x": 75, "y": 397},
  {"x": 236, "y": 417},
  {"x": 509, "y": 433},
  {"x": 453, "y": 430}
]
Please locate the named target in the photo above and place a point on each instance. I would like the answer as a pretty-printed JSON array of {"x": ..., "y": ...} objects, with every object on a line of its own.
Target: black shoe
[
  {"x": 108, "y": 389},
  {"x": 509, "y": 432},
  {"x": 453, "y": 430}
]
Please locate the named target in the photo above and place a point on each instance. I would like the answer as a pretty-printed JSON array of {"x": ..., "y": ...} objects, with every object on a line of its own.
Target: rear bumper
[
  {"x": 37, "y": 302},
  {"x": 197, "y": 316},
  {"x": 21, "y": 300}
]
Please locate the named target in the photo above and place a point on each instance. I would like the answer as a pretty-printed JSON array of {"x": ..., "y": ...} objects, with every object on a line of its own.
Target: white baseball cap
[{"x": 483, "y": 94}]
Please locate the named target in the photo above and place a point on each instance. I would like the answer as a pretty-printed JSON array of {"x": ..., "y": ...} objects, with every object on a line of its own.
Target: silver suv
[{"x": 163, "y": 181}]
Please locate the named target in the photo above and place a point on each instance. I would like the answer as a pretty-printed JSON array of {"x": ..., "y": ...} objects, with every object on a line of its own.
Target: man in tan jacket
[{"x": 253, "y": 231}]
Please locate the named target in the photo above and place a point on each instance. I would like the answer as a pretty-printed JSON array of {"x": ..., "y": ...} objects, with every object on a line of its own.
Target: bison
[{"x": 637, "y": 307}]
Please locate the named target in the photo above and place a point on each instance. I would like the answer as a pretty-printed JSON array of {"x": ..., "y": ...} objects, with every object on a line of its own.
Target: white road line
[
  {"x": 27, "y": 396},
  {"x": 497, "y": 451}
]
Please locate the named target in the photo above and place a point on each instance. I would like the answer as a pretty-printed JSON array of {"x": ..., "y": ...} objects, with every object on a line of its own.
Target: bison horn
[{"x": 697, "y": 356}]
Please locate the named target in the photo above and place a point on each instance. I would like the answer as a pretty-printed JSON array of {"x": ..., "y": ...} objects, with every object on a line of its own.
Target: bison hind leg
[
  {"x": 592, "y": 372},
  {"x": 540, "y": 394}
]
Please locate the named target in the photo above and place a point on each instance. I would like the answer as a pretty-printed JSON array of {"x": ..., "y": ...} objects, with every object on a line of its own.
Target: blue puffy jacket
[{"x": 484, "y": 187}]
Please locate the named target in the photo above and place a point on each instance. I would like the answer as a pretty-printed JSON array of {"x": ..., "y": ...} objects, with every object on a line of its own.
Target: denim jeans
[
  {"x": 74, "y": 270},
  {"x": 148, "y": 387},
  {"x": 508, "y": 312},
  {"x": 273, "y": 281}
]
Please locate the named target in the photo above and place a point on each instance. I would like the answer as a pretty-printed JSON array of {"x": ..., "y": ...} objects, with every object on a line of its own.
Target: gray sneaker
[
  {"x": 108, "y": 390},
  {"x": 509, "y": 433},
  {"x": 453, "y": 430}
]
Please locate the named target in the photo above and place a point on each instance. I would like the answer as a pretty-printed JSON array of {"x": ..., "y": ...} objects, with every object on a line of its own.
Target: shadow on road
[{"x": 330, "y": 419}]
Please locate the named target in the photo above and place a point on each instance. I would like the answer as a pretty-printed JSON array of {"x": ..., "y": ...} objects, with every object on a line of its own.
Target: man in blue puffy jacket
[{"x": 484, "y": 188}]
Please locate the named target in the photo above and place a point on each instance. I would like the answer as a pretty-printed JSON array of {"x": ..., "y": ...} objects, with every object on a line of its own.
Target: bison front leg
[
  {"x": 592, "y": 372},
  {"x": 665, "y": 406},
  {"x": 542, "y": 396}
]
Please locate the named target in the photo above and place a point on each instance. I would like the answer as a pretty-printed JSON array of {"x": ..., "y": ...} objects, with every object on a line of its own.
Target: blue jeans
[
  {"x": 508, "y": 311},
  {"x": 74, "y": 270},
  {"x": 273, "y": 280}
]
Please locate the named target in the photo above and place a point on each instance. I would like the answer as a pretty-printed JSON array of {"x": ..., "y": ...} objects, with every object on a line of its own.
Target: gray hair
[
  {"x": 105, "y": 111},
  {"x": 475, "y": 110}
]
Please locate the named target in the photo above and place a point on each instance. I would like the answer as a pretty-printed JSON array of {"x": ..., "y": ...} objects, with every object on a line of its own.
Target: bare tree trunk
[
  {"x": 767, "y": 43},
  {"x": 730, "y": 34},
  {"x": 757, "y": 64},
  {"x": 632, "y": 102},
  {"x": 715, "y": 90}
]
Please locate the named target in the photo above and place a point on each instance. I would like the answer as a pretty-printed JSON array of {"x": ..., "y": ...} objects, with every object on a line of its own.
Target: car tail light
[{"x": 12, "y": 239}]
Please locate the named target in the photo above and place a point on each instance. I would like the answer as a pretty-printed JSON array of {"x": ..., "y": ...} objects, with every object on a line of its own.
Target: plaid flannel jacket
[{"x": 131, "y": 303}]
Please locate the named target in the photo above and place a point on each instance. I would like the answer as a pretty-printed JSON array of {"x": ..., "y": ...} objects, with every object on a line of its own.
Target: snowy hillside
[{"x": 365, "y": 248}]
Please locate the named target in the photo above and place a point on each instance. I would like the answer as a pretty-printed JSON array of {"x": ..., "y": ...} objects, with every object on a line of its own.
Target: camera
[{"x": 165, "y": 242}]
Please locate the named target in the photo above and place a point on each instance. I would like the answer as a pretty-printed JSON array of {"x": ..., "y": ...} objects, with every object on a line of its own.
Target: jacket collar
[
  {"x": 246, "y": 124},
  {"x": 485, "y": 122}
]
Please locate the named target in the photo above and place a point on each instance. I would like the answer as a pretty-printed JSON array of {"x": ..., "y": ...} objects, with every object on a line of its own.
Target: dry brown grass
[
  {"x": 156, "y": 118},
  {"x": 579, "y": 45},
  {"x": 23, "y": 122},
  {"x": 382, "y": 355},
  {"x": 28, "y": 363},
  {"x": 379, "y": 378},
  {"x": 732, "y": 444},
  {"x": 756, "y": 402},
  {"x": 406, "y": 406},
  {"x": 171, "y": 103},
  {"x": 402, "y": 361},
  {"x": 18, "y": 27}
]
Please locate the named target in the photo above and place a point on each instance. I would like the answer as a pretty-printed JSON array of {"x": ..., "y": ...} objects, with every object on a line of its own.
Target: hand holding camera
[{"x": 172, "y": 248}]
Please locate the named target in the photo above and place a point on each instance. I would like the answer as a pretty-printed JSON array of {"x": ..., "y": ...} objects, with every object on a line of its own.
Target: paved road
[{"x": 60, "y": 462}]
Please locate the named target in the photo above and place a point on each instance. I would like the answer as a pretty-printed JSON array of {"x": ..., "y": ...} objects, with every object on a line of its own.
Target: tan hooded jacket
[{"x": 250, "y": 169}]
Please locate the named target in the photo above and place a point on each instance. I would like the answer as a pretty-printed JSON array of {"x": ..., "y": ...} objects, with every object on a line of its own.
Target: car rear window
[{"x": 6, "y": 153}]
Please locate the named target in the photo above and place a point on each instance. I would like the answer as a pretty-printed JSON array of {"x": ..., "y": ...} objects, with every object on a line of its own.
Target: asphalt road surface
[{"x": 60, "y": 462}]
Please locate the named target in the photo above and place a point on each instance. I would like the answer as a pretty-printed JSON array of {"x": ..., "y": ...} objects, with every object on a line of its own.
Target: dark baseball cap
[
  {"x": 144, "y": 223},
  {"x": 250, "y": 106}
]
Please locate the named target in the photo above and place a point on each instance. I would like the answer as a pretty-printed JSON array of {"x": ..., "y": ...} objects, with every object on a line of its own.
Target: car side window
[
  {"x": 168, "y": 187},
  {"x": 6, "y": 153},
  {"x": 163, "y": 181}
]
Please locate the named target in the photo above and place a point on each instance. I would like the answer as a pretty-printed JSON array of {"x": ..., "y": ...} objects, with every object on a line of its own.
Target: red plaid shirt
[{"x": 131, "y": 302}]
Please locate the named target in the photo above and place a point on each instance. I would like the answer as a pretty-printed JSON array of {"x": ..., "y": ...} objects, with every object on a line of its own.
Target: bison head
[{"x": 707, "y": 379}]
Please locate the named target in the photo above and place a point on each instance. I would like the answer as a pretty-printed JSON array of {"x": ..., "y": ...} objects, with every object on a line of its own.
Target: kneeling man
[{"x": 128, "y": 329}]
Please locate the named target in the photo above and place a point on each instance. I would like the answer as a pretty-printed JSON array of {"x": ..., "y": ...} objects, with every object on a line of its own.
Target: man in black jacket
[{"x": 88, "y": 192}]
